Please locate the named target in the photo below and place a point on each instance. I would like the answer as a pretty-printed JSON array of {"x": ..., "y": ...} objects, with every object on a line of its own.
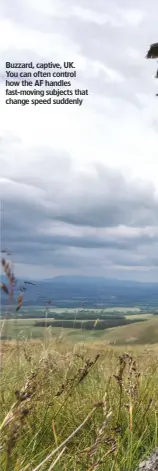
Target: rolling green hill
[{"x": 137, "y": 333}]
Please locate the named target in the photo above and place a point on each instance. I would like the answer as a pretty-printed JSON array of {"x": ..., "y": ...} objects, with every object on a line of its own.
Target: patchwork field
[{"x": 137, "y": 333}]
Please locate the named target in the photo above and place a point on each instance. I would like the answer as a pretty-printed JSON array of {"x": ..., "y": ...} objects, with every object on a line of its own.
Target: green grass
[
  {"x": 136, "y": 333},
  {"x": 61, "y": 387}
]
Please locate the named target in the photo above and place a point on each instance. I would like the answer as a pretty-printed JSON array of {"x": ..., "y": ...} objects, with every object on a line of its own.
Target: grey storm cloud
[
  {"x": 83, "y": 203},
  {"x": 106, "y": 199},
  {"x": 54, "y": 214}
]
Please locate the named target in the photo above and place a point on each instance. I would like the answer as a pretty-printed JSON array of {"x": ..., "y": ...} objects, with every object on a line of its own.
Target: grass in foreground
[{"x": 82, "y": 407}]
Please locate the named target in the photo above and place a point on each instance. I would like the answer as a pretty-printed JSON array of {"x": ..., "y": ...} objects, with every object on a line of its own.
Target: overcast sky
[{"x": 80, "y": 184}]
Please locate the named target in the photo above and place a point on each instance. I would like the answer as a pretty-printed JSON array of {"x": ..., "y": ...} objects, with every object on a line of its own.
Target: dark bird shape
[
  {"x": 153, "y": 52},
  {"x": 22, "y": 288},
  {"x": 29, "y": 283}
]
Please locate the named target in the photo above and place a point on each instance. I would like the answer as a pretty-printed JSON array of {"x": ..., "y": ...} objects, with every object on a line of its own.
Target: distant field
[
  {"x": 83, "y": 309},
  {"x": 136, "y": 333},
  {"x": 23, "y": 329},
  {"x": 139, "y": 316},
  {"x": 121, "y": 309}
]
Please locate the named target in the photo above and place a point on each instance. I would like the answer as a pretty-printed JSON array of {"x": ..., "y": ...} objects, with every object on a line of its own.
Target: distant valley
[{"x": 92, "y": 292}]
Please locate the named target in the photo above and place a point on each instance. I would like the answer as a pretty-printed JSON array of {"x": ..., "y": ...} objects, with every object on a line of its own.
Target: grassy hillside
[
  {"x": 137, "y": 333},
  {"x": 82, "y": 408}
]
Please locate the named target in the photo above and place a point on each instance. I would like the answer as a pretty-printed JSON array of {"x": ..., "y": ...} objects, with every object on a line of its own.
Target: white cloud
[
  {"x": 133, "y": 17},
  {"x": 116, "y": 127}
]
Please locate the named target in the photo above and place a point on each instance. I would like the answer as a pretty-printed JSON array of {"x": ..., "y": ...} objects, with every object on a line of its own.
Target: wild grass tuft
[{"x": 77, "y": 408}]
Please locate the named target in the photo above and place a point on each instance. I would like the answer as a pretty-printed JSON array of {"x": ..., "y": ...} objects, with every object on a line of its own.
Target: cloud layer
[{"x": 79, "y": 186}]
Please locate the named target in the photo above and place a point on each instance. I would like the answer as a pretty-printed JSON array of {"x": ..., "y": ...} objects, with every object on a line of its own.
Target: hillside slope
[{"x": 137, "y": 333}]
